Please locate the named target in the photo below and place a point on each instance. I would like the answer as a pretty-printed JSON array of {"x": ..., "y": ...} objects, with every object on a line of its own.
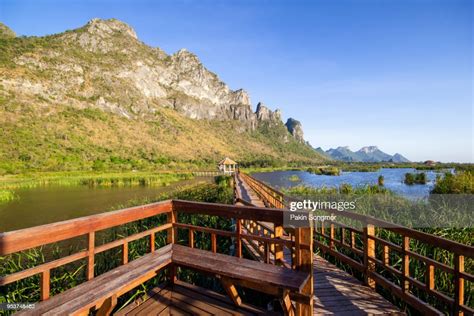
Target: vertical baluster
[
  {"x": 213, "y": 243},
  {"x": 267, "y": 252},
  {"x": 45, "y": 285},
  {"x": 125, "y": 252},
  {"x": 459, "y": 284},
  {"x": 238, "y": 241},
  {"x": 278, "y": 247},
  {"x": 353, "y": 239},
  {"x": 429, "y": 276},
  {"x": 331, "y": 236},
  {"x": 90, "y": 255},
  {"x": 386, "y": 255},
  {"x": 191, "y": 238},
  {"x": 405, "y": 264},
  {"x": 369, "y": 252},
  {"x": 172, "y": 233},
  {"x": 152, "y": 242},
  {"x": 343, "y": 235}
]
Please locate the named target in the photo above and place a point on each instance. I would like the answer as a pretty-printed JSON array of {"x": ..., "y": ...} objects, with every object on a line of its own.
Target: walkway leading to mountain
[{"x": 335, "y": 291}]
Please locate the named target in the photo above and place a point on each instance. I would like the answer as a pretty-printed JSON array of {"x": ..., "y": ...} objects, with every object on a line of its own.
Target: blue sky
[{"x": 391, "y": 73}]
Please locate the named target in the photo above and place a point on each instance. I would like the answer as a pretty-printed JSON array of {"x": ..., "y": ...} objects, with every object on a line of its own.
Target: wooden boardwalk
[
  {"x": 186, "y": 299},
  {"x": 335, "y": 291}
]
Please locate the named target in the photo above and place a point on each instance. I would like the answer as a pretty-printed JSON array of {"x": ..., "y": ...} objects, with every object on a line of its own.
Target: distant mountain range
[{"x": 365, "y": 154}]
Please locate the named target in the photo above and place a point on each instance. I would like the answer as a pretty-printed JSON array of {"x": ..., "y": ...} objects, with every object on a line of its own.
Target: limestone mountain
[
  {"x": 164, "y": 107},
  {"x": 365, "y": 154}
]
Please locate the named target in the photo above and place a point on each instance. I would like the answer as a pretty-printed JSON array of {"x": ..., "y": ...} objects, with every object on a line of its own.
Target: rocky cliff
[
  {"x": 105, "y": 62},
  {"x": 295, "y": 128},
  {"x": 104, "y": 66}
]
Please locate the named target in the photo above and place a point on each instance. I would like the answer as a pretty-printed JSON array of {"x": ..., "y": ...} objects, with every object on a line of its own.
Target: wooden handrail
[
  {"x": 368, "y": 266},
  {"x": 20, "y": 240},
  {"x": 27, "y": 238}
]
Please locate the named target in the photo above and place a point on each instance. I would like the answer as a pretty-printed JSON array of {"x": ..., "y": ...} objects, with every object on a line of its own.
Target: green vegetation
[
  {"x": 91, "y": 179},
  {"x": 307, "y": 191},
  {"x": 428, "y": 216},
  {"x": 63, "y": 138},
  {"x": 7, "y": 196},
  {"x": 459, "y": 183},
  {"x": 326, "y": 170},
  {"x": 415, "y": 178},
  {"x": 380, "y": 180},
  {"x": 294, "y": 178}
]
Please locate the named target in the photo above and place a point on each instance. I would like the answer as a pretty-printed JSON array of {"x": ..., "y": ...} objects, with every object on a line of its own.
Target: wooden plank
[
  {"x": 304, "y": 263},
  {"x": 239, "y": 268},
  {"x": 41, "y": 268},
  {"x": 369, "y": 253},
  {"x": 107, "y": 306},
  {"x": 229, "y": 211},
  {"x": 231, "y": 291},
  {"x": 90, "y": 255},
  {"x": 405, "y": 264},
  {"x": 458, "y": 284},
  {"x": 45, "y": 285},
  {"x": 215, "y": 299},
  {"x": 286, "y": 304},
  {"x": 19, "y": 240}
]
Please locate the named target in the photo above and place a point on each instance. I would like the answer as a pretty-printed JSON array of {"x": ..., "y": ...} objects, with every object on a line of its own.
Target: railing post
[
  {"x": 304, "y": 262},
  {"x": 238, "y": 238},
  {"x": 369, "y": 252},
  {"x": 191, "y": 238},
  {"x": 45, "y": 285},
  {"x": 459, "y": 284},
  {"x": 125, "y": 252},
  {"x": 405, "y": 264},
  {"x": 171, "y": 238},
  {"x": 90, "y": 255},
  {"x": 278, "y": 232},
  {"x": 152, "y": 242},
  {"x": 172, "y": 233}
]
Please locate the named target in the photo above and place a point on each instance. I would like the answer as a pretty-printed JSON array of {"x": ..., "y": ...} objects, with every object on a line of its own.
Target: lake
[
  {"x": 393, "y": 179},
  {"x": 49, "y": 204}
]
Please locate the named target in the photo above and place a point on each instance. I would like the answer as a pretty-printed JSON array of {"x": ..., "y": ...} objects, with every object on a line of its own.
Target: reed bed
[
  {"x": 92, "y": 179},
  {"x": 7, "y": 196}
]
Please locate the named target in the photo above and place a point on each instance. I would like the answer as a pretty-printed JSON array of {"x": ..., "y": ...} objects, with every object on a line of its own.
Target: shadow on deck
[{"x": 183, "y": 298}]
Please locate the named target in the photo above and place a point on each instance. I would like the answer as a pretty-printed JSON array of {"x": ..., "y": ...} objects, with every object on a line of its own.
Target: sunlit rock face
[
  {"x": 295, "y": 128},
  {"x": 104, "y": 64}
]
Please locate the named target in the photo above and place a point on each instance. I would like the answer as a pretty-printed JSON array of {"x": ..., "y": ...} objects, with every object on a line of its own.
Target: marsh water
[
  {"x": 48, "y": 204},
  {"x": 393, "y": 179}
]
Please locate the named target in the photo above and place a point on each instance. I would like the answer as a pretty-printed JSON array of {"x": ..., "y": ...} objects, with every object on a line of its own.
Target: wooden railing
[
  {"x": 20, "y": 240},
  {"x": 270, "y": 196},
  {"x": 374, "y": 257}
]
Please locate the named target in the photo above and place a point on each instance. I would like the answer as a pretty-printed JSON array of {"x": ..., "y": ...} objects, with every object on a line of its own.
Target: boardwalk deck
[
  {"x": 335, "y": 291},
  {"x": 185, "y": 299}
]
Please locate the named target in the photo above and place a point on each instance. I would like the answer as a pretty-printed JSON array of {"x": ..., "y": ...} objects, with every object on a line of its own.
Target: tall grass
[
  {"x": 91, "y": 179},
  {"x": 7, "y": 196}
]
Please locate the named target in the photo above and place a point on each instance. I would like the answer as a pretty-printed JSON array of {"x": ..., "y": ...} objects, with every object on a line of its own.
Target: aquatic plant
[
  {"x": 415, "y": 178},
  {"x": 459, "y": 183},
  {"x": 294, "y": 178},
  {"x": 380, "y": 181},
  {"x": 7, "y": 196}
]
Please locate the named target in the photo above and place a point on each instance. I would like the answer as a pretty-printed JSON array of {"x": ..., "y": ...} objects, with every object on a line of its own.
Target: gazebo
[{"x": 227, "y": 165}]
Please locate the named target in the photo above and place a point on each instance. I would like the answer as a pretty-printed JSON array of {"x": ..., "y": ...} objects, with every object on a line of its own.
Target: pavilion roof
[{"x": 227, "y": 161}]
